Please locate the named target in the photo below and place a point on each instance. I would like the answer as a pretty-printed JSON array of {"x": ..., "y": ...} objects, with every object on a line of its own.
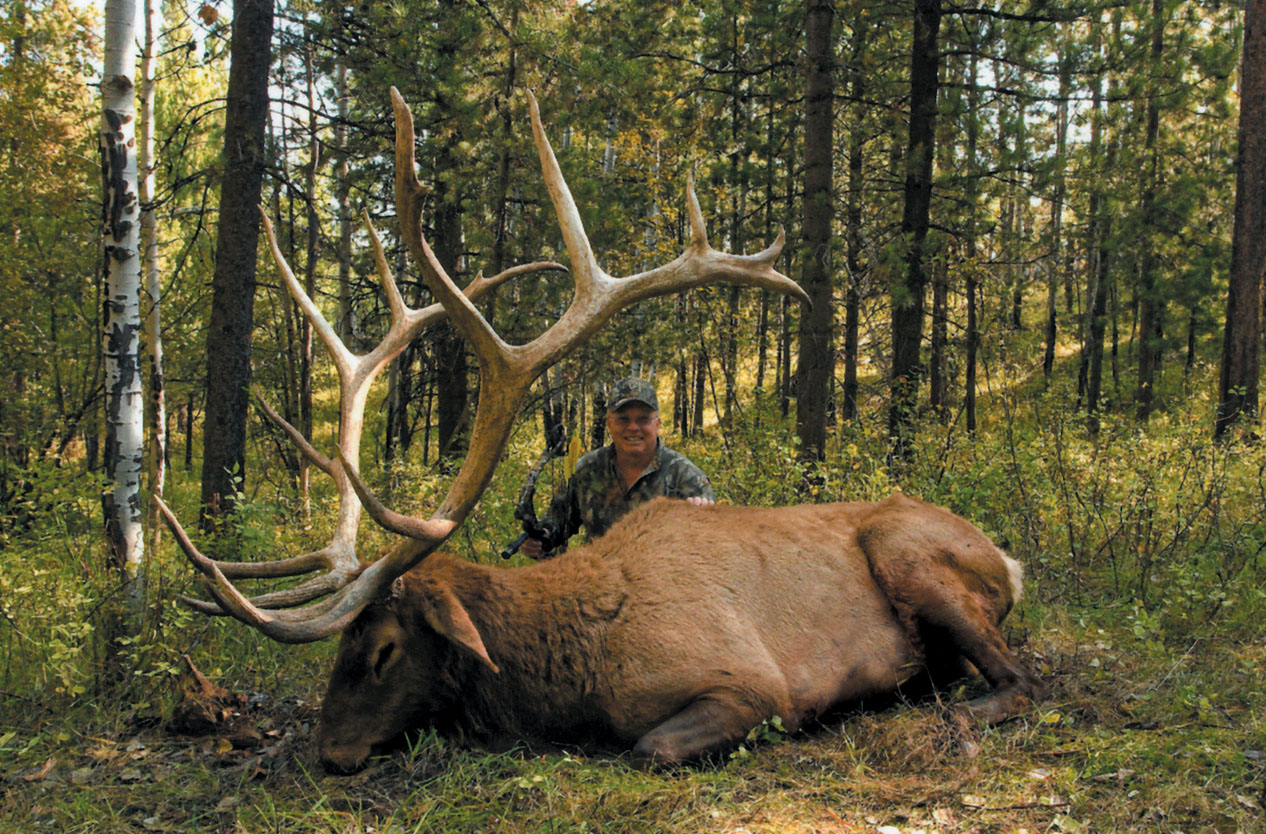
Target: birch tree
[{"x": 121, "y": 337}]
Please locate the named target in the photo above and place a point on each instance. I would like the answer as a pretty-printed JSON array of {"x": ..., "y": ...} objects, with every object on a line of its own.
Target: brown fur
[{"x": 680, "y": 630}]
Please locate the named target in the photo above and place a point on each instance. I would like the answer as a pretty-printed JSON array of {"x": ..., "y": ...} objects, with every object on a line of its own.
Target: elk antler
[{"x": 506, "y": 373}]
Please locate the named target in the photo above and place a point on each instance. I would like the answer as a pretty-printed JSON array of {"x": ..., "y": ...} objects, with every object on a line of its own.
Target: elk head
[{"x": 384, "y": 653}]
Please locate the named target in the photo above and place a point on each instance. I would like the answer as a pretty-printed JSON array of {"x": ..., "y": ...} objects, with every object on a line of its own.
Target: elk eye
[{"x": 384, "y": 659}]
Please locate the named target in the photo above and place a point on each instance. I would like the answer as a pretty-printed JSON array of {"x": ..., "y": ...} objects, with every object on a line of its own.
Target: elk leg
[
  {"x": 936, "y": 600},
  {"x": 960, "y": 615},
  {"x": 706, "y": 725}
]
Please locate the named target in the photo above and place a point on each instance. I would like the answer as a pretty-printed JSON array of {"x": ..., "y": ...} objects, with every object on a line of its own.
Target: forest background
[{"x": 1017, "y": 222}]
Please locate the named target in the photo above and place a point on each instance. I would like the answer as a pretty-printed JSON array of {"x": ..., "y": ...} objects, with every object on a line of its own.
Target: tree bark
[
  {"x": 1151, "y": 305},
  {"x": 972, "y": 278},
  {"x": 309, "y": 282},
  {"x": 1241, "y": 343},
  {"x": 907, "y": 297},
  {"x": 233, "y": 284},
  {"x": 1056, "y": 271},
  {"x": 853, "y": 219},
  {"x": 1090, "y": 379},
  {"x": 938, "y": 386},
  {"x": 452, "y": 392},
  {"x": 815, "y": 370},
  {"x": 121, "y": 332},
  {"x": 701, "y": 381},
  {"x": 501, "y": 221},
  {"x": 342, "y": 194},
  {"x": 157, "y": 416}
]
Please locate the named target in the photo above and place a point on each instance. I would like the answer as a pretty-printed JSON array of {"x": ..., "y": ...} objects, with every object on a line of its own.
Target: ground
[{"x": 1135, "y": 736}]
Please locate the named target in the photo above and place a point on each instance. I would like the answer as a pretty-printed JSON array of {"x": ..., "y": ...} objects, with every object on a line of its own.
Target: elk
[{"x": 675, "y": 633}]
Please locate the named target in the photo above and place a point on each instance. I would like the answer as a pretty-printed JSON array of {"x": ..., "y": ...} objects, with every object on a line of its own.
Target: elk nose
[{"x": 344, "y": 760}]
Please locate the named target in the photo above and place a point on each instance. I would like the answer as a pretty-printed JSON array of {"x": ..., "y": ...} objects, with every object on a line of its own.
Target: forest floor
[{"x": 1135, "y": 736}]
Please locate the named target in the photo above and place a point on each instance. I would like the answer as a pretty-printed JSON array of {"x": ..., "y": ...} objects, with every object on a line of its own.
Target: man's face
[{"x": 634, "y": 429}]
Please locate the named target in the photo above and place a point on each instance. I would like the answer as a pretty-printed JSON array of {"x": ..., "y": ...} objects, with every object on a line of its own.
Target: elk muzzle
[{"x": 341, "y": 757}]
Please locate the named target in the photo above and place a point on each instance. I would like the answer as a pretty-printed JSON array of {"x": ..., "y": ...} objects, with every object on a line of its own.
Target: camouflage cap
[{"x": 632, "y": 390}]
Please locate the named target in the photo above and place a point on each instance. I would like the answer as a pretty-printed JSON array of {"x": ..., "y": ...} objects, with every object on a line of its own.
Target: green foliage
[{"x": 48, "y": 324}]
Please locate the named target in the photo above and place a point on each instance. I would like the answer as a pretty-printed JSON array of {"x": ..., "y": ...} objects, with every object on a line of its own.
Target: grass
[{"x": 1137, "y": 735}]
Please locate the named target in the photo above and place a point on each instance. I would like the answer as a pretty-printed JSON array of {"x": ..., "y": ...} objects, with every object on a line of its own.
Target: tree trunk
[
  {"x": 853, "y": 218},
  {"x": 393, "y": 415},
  {"x": 1151, "y": 305},
  {"x": 816, "y": 366},
  {"x": 938, "y": 387},
  {"x": 701, "y": 381},
  {"x": 738, "y": 205},
  {"x": 1019, "y": 220},
  {"x": 452, "y": 392},
  {"x": 1056, "y": 271},
  {"x": 188, "y": 429},
  {"x": 1096, "y": 320},
  {"x": 157, "y": 417},
  {"x": 233, "y": 285},
  {"x": 309, "y": 282},
  {"x": 1241, "y": 343},
  {"x": 1100, "y": 267},
  {"x": 681, "y": 404},
  {"x": 598, "y": 428},
  {"x": 972, "y": 278},
  {"x": 121, "y": 336},
  {"x": 400, "y": 386},
  {"x": 729, "y": 361},
  {"x": 342, "y": 194},
  {"x": 907, "y": 297},
  {"x": 501, "y": 221}
]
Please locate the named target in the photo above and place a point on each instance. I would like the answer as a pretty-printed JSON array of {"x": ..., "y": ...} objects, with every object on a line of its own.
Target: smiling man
[{"x": 635, "y": 467}]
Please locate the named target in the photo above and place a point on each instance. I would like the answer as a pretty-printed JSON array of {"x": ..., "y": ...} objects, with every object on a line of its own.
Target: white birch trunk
[
  {"x": 153, "y": 289},
  {"x": 121, "y": 342}
]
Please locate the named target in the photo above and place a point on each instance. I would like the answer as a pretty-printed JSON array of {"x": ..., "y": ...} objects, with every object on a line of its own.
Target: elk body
[
  {"x": 676, "y": 632},
  {"x": 680, "y": 630}
]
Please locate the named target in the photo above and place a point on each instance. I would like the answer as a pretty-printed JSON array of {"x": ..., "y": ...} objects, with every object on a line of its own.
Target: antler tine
[
  {"x": 315, "y": 588},
  {"x": 599, "y": 295},
  {"x": 491, "y": 351},
  {"x": 431, "y": 532},
  {"x": 418, "y": 320},
  {"x": 309, "y": 451},
  {"x": 302, "y": 625},
  {"x": 589, "y": 276},
  {"x": 342, "y": 357}
]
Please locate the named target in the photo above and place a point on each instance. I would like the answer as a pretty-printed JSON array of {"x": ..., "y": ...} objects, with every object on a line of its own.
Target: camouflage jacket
[{"x": 596, "y": 498}]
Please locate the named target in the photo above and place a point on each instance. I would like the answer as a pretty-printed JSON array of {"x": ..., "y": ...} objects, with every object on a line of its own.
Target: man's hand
[
  {"x": 533, "y": 549},
  {"x": 697, "y": 500}
]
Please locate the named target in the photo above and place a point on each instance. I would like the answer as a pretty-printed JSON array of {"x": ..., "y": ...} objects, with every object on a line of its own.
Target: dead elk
[
  {"x": 679, "y": 631},
  {"x": 675, "y": 633}
]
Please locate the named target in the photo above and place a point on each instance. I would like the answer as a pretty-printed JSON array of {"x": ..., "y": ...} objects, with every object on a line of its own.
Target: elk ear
[
  {"x": 387, "y": 648},
  {"x": 445, "y": 613}
]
